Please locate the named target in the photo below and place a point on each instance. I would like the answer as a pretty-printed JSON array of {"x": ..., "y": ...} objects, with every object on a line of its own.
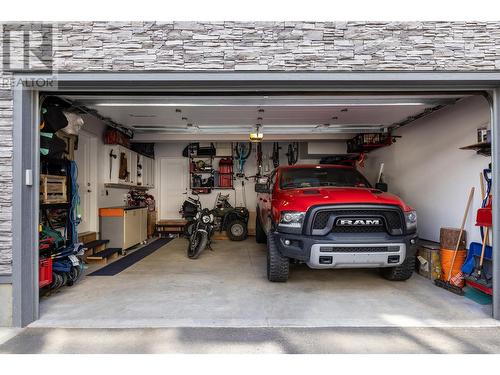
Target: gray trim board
[
  {"x": 5, "y": 279},
  {"x": 25, "y": 214},
  {"x": 25, "y": 272},
  {"x": 307, "y": 81},
  {"x": 495, "y": 158}
]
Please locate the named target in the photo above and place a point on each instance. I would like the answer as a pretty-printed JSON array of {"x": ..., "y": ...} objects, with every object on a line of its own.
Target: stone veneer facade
[{"x": 236, "y": 46}]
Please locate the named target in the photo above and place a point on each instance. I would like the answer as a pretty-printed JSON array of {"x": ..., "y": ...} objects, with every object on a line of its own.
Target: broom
[
  {"x": 446, "y": 284},
  {"x": 476, "y": 273}
]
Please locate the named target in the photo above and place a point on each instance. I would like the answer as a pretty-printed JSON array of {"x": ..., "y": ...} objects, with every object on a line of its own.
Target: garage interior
[{"x": 424, "y": 161}]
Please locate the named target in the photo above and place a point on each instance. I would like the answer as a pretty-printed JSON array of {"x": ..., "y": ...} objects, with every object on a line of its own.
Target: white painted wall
[
  {"x": 174, "y": 149},
  {"x": 426, "y": 168},
  {"x": 106, "y": 197}
]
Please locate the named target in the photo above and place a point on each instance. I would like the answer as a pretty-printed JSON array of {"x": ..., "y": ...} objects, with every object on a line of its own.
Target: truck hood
[{"x": 303, "y": 199}]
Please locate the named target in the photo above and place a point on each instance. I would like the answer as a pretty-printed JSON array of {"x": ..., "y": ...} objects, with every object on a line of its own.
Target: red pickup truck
[{"x": 329, "y": 216}]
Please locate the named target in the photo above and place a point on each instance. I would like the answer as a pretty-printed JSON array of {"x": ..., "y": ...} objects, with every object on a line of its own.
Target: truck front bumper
[{"x": 347, "y": 250}]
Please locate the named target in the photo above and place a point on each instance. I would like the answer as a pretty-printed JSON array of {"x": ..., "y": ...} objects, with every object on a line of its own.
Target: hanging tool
[
  {"x": 446, "y": 284},
  {"x": 380, "y": 177},
  {"x": 111, "y": 157},
  {"x": 259, "y": 160},
  {"x": 276, "y": 154},
  {"x": 293, "y": 153},
  {"x": 485, "y": 195}
]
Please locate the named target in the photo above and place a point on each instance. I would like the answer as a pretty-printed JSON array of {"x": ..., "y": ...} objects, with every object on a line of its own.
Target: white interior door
[
  {"x": 173, "y": 183},
  {"x": 86, "y": 160}
]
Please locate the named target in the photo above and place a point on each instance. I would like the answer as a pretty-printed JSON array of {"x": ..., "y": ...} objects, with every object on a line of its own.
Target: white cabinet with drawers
[{"x": 124, "y": 227}]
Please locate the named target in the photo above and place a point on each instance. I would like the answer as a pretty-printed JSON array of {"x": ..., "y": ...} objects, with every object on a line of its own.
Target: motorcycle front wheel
[{"x": 197, "y": 243}]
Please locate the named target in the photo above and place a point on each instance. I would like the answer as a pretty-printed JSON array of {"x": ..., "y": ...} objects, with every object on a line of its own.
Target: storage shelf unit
[
  {"x": 56, "y": 168},
  {"x": 210, "y": 171}
]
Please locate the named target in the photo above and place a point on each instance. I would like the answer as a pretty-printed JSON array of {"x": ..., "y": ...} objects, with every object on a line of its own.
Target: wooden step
[
  {"x": 93, "y": 247},
  {"x": 95, "y": 244},
  {"x": 103, "y": 256},
  {"x": 170, "y": 226},
  {"x": 87, "y": 236}
]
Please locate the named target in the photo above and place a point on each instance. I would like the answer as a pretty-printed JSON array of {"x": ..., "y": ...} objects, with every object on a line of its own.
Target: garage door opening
[{"x": 200, "y": 141}]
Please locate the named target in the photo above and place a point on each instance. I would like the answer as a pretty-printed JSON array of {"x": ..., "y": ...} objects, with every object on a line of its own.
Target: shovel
[
  {"x": 111, "y": 157},
  {"x": 478, "y": 273}
]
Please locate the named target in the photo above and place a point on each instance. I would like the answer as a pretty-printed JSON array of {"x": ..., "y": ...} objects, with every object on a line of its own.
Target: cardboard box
[{"x": 428, "y": 260}]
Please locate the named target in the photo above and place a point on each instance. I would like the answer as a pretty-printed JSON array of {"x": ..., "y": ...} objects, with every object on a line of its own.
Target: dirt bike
[{"x": 201, "y": 235}]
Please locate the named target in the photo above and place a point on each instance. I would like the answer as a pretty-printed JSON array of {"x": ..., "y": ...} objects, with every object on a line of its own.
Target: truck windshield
[{"x": 294, "y": 178}]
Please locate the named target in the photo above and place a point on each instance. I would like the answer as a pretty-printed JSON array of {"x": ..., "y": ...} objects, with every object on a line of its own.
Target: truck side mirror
[
  {"x": 381, "y": 186},
  {"x": 262, "y": 188}
]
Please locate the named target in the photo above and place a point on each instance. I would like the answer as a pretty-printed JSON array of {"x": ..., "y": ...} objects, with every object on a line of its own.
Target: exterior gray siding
[{"x": 235, "y": 46}]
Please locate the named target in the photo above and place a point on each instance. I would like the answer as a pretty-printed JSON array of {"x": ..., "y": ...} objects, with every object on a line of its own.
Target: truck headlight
[
  {"x": 411, "y": 221},
  {"x": 292, "y": 219}
]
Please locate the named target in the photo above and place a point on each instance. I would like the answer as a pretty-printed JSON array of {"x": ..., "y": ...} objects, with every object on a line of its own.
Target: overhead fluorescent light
[
  {"x": 201, "y": 103},
  {"x": 261, "y": 102}
]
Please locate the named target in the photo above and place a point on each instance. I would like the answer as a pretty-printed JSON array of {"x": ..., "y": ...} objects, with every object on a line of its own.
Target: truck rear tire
[
  {"x": 260, "y": 235},
  {"x": 278, "y": 266},
  {"x": 400, "y": 273}
]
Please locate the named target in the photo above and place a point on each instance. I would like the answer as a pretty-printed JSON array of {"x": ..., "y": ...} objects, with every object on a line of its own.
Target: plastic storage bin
[{"x": 45, "y": 274}]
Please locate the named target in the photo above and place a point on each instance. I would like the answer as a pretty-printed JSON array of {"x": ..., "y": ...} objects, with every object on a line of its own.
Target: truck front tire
[
  {"x": 278, "y": 266},
  {"x": 400, "y": 273}
]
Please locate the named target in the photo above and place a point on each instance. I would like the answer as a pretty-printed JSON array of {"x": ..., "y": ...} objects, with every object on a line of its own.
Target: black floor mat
[{"x": 129, "y": 260}]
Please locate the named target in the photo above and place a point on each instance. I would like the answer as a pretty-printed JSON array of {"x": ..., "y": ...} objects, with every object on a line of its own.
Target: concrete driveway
[{"x": 256, "y": 340}]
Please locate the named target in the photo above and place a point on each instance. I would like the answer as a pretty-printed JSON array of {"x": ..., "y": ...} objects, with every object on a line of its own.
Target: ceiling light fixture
[{"x": 278, "y": 103}]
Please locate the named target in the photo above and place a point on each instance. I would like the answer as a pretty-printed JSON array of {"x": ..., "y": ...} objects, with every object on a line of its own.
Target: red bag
[{"x": 115, "y": 137}]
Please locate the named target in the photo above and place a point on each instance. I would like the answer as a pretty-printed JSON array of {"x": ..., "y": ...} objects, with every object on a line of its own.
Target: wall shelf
[{"x": 126, "y": 186}]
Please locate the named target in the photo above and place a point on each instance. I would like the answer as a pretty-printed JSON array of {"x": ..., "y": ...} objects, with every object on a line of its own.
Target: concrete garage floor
[{"x": 228, "y": 288}]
